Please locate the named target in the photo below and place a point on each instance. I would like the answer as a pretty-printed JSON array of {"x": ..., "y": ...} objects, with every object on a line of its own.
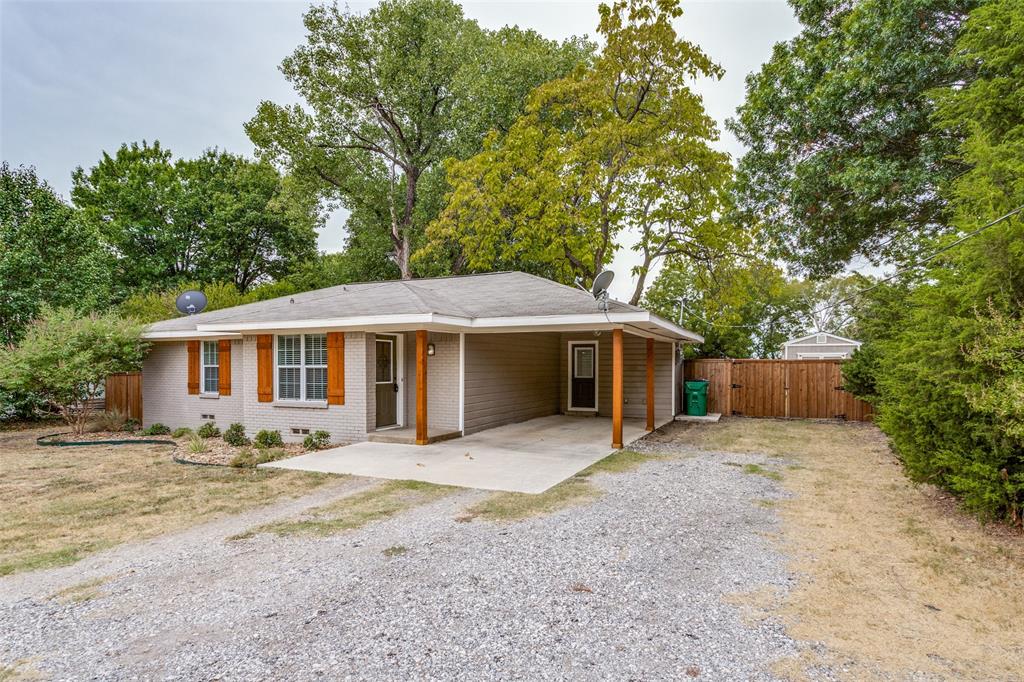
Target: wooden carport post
[
  {"x": 650, "y": 384},
  {"x": 421, "y": 387},
  {"x": 616, "y": 388}
]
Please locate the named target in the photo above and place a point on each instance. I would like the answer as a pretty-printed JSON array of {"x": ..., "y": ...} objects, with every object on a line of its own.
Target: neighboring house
[
  {"x": 819, "y": 346},
  {"x": 424, "y": 359}
]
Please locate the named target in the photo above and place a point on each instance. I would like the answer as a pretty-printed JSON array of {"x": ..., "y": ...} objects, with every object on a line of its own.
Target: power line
[
  {"x": 921, "y": 261},
  {"x": 848, "y": 299}
]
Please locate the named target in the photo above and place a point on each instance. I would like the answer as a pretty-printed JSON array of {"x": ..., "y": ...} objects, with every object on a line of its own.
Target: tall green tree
[
  {"x": 946, "y": 362},
  {"x": 743, "y": 307},
  {"x": 219, "y": 217},
  {"x": 844, "y": 158},
  {"x": 623, "y": 145},
  {"x": 48, "y": 255},
  {"x": 391, "y": 93}
]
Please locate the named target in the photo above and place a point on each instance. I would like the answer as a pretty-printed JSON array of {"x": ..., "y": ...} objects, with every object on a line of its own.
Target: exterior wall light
[{"x": 430, "y": 349}]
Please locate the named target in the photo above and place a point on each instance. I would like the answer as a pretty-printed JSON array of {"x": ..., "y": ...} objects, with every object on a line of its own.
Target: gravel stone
[{"x": 632, "y": 585}]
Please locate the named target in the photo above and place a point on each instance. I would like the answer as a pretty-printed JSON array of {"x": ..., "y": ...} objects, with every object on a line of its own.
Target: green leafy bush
[
  {"x": 157, "y": 429},
  {"x": 65, "y": 359},
  {"x": 235, "y": 435},
  {"x": 318, "y": 440},
  {"x": 268, "y": 439},
  {"x": 208, "y": 430},
  {"x": 943, "y": 357},
  {"x": 181, "y": 432}
]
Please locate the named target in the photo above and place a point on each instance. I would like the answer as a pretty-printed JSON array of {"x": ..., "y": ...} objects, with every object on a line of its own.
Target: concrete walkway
[{"x": 528, "y": 457}]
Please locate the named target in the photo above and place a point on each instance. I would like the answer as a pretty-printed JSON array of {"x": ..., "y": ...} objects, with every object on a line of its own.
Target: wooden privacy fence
[
  {"x": 778, "y": 388},
  {"x": 124, "y": 394}
]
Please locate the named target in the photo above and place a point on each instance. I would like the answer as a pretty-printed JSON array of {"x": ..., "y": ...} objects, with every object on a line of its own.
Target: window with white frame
[
  {"x": 211, "y": 367},
  {"x": 302, "y": 367}
]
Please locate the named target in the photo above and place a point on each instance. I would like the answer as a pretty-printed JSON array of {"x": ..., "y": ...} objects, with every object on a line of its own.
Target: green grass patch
[
  {"x": 759, "y": 470},
  {"x": 355, "y": 511},
  {"x": 573, "y": 491},
  {"x": 82, "y": 592},
  {"x": 397, "y": 550}
]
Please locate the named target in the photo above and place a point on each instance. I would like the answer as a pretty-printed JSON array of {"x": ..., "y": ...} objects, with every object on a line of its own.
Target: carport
[{"x": 527, "y": 457}]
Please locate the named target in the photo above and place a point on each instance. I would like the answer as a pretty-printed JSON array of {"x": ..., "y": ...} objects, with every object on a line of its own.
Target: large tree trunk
[
  {"x": 401, "y": 234},
  {"x": 641, "y": 282}
]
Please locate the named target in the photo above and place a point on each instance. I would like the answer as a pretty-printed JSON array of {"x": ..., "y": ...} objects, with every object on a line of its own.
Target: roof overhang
[{"x": 639, "y": 322}]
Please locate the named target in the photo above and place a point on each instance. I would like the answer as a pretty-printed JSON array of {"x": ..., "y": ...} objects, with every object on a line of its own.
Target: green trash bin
[{"x": 697, "y": 398}]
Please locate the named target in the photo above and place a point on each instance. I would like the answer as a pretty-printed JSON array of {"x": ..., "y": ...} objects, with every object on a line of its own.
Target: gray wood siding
[
  {"x": 510, "y": 378},
  {"x": 634, "y": 375}
]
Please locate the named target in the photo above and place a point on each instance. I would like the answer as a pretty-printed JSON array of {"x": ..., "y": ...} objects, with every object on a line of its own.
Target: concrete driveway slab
[{"x": 528, "y": 457}]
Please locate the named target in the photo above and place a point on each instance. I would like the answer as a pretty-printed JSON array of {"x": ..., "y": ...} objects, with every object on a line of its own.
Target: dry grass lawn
[
  {"x": 355, "y": 511},
  {"x": 61, "y": 504},
  {"x": 896, "y": 580}
]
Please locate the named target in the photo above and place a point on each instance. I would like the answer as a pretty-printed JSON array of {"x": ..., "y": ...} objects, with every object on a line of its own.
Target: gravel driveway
[{"x": 633, "y": 585}]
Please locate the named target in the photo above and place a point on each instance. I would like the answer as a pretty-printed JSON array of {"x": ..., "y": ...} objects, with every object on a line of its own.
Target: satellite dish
[
  {"x": 600, "y": 289},
  {"x": 602, "y": 282},
  {"x": 190, "y": 302}
]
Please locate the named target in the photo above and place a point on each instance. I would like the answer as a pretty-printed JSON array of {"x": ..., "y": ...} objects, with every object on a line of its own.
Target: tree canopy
[
  {"x": 620, "y": 146},
  {"x": 216, "y": 217},
  {"x": 389, "y": 95},
  {"x": 843, "y": 157},
  {"x": 48, "y": 255}
]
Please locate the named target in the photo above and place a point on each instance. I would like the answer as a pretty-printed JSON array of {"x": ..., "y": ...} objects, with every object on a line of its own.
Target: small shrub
[
  {"x": 157, "y": 429},
  {"x": 250, "y": 457},
  {"x": 269, "y": 439},
  {"x": 208, "y": 430},
  {"x": 235, "y": 435},
  {"x": 181, "y": 432},
  {"x": 197, "y": 445},
  {"x": 132, "y": 425},
  {"x": 115, "y": 420},
  {"x": 318, "y": 440}
]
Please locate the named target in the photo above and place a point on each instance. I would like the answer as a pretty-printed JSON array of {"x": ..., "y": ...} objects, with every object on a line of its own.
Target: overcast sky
[{"x": 77, "y": 78}]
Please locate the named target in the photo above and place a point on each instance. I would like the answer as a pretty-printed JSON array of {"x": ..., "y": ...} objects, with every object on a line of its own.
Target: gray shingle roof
[{"x": 499, "y": 294}]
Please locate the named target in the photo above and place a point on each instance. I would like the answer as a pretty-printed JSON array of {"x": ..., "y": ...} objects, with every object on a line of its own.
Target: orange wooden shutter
[
  {"x": 336, "y": 368},
  {"x": 193, "y": 367},
  {"x": 224, "y": 360},
  {"x": 265, "y": 367}
]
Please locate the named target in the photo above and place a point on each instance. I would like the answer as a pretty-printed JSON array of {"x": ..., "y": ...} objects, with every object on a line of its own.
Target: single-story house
[
  {"x": 819, "y": 346},
  {"x": 414, "y": 361}
]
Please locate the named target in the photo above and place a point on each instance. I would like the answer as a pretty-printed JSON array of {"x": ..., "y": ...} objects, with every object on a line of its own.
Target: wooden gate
[
  {"x": 124, "y": 393},
  {"x": 810, "y": 389}
]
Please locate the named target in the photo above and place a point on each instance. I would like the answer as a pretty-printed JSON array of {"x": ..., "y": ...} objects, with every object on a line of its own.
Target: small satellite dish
[
  {"x": 602, "y": 282},
  {"x": 190, "y": 302},
  {"x": 600, "y": 288}
]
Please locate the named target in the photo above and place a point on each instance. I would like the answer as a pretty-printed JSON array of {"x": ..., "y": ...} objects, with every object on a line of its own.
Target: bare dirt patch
[
  {"x": 59, "y": 504},
  {"x": 895, "y": 579}
]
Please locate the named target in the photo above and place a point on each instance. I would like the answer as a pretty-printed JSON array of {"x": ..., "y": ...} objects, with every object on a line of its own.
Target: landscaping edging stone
[{"x": 42, "y": 440}]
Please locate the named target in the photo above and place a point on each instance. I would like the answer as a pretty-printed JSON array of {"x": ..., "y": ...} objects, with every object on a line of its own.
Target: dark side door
[{"x": 583, "y": 393}]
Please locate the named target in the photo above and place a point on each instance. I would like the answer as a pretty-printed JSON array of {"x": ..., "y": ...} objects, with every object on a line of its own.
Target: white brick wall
[
  {"x": 442, "y": 381},
  {"x": 344, "y": 422},
  {"x": 165, "y": 397}
]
